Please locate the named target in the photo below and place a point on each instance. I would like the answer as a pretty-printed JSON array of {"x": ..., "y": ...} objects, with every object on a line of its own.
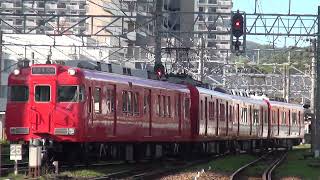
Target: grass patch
[
  {"x": 93, "y": 172},
  {"x": 302, "y": 146},
  {"x": 12, "y": 176},
  {"x": 228, "y": 164},
  {"x": 296, "y": 165}
]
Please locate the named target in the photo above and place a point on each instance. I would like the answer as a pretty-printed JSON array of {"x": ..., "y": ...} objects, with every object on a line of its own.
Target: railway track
[
  {"x": 261, "y": 167},
  {"x": 157, "y": 170}
]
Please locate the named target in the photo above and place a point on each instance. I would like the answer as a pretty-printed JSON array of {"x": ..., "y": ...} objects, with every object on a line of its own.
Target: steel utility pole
[
  {"x": 201, "y": 62},
  {"x": 158, "y": 14},
  {"x": 313, "y": 89},
  {"x": 288, "y": 78},
  {"x": 316, "y": 130}
]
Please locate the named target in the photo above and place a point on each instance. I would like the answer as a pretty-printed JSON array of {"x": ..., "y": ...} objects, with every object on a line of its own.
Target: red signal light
[
  {"x": 237, "y": 24},
  {"x": 159, "y": 73}
]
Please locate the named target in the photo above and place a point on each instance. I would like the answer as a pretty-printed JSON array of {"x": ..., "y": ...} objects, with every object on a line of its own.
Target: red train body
[{"x": 65, "y": 104}]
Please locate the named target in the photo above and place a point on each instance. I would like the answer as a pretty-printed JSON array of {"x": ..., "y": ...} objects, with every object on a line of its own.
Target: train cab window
[
  {"x": 42, "y": 93},
  {"x": 97, "y": 100},
  {"x": 255, "y": 116},
  {"x": 186, "y": 108},
  {"x": 67, "y": 93},
  {"x": 110, "y": 101},
  {"x": 19, "y": 93}
]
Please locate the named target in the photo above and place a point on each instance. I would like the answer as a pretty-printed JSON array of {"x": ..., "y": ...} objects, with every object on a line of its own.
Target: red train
[{"x": 71, "y": 107}]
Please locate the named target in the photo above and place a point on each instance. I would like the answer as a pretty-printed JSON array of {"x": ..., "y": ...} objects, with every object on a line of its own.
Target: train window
[
  {"x": 274, "y": 117},
  {"x": 256, "y": 116},
  {"x": 169, "y": 106},
  {"x": 124, "y": 101},
  {"x": 164, "y": 106},
  {"x": 201, "y": 110},
  {"x": 42, "y": 93},
  {"x": 186, "y": 108},
  {"x": 178, "y": 106},
  {"x": 136, "y": 103},
  {"x": 67, "y": 93},
  {"x": 110, "y": 101},
  {"x": 244, "y": 115},
  {"x": 19, "y": 93},
  {"x": 159, "y": 105},
  {"x": 97, "y": 100},
  {"x": 222, "y": 112},
  {"x": 146, "y": 103},
  {"x": 211, "y": 110},
  {"x": 265, "y": 117},
  {"x": 284, "y": 118},
  {"x": 129, "y": 102},
  {"x": 90, "y": 103},
  {"x": 294, "y": 118},
  {"x": 230, "y": 113}
]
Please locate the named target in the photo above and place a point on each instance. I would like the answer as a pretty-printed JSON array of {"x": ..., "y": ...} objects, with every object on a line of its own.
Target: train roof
[
  {"x": 282, "y": 104},
  {"x": 116, "y": 78},
  {"x": 230, "y": 97}
]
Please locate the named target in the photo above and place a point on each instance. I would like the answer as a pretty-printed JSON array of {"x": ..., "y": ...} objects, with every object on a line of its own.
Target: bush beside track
[{"x": 298, "y": 165}]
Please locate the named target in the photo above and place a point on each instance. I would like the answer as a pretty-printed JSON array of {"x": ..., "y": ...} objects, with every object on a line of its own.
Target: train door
[{"x": 43, "y": 104}]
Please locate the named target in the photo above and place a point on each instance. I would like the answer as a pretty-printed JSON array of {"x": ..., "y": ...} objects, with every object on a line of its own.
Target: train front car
[{"x": 44, "y": 104}]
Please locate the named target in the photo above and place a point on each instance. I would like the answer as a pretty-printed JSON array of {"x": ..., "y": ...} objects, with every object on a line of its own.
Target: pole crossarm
[
  {"x": 81, "y": 25},
  {"x": 281, "y": 24}
]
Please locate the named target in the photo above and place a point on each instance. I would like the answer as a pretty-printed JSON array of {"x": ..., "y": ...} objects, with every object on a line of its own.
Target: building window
[
  {"x": 202, "y": 1},
  {"x": 212, "y": 9},
  {"x": 212, "y": 36},
  {"x": 212, "y": 1},
  {"x": 201, "y": 9},
  {"x": 42, "y": 93}
]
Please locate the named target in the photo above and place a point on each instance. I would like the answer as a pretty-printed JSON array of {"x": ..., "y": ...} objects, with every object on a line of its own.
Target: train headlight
[
  {"x": 71, "y": 72},
  {"x": 16, "y": 72},
  {"x": 71, "y": 131}
]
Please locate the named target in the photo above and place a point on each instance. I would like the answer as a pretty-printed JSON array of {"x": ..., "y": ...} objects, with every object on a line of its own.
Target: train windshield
[
  {"x": 69, "y": 94},
  {"x": 19, "y": 93}
]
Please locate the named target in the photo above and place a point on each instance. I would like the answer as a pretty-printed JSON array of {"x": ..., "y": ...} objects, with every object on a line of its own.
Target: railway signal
[
  {"x": 159, "y": 70},
  {"x": 237, "y": 25},
  {"x": 237, "y": 32}
]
